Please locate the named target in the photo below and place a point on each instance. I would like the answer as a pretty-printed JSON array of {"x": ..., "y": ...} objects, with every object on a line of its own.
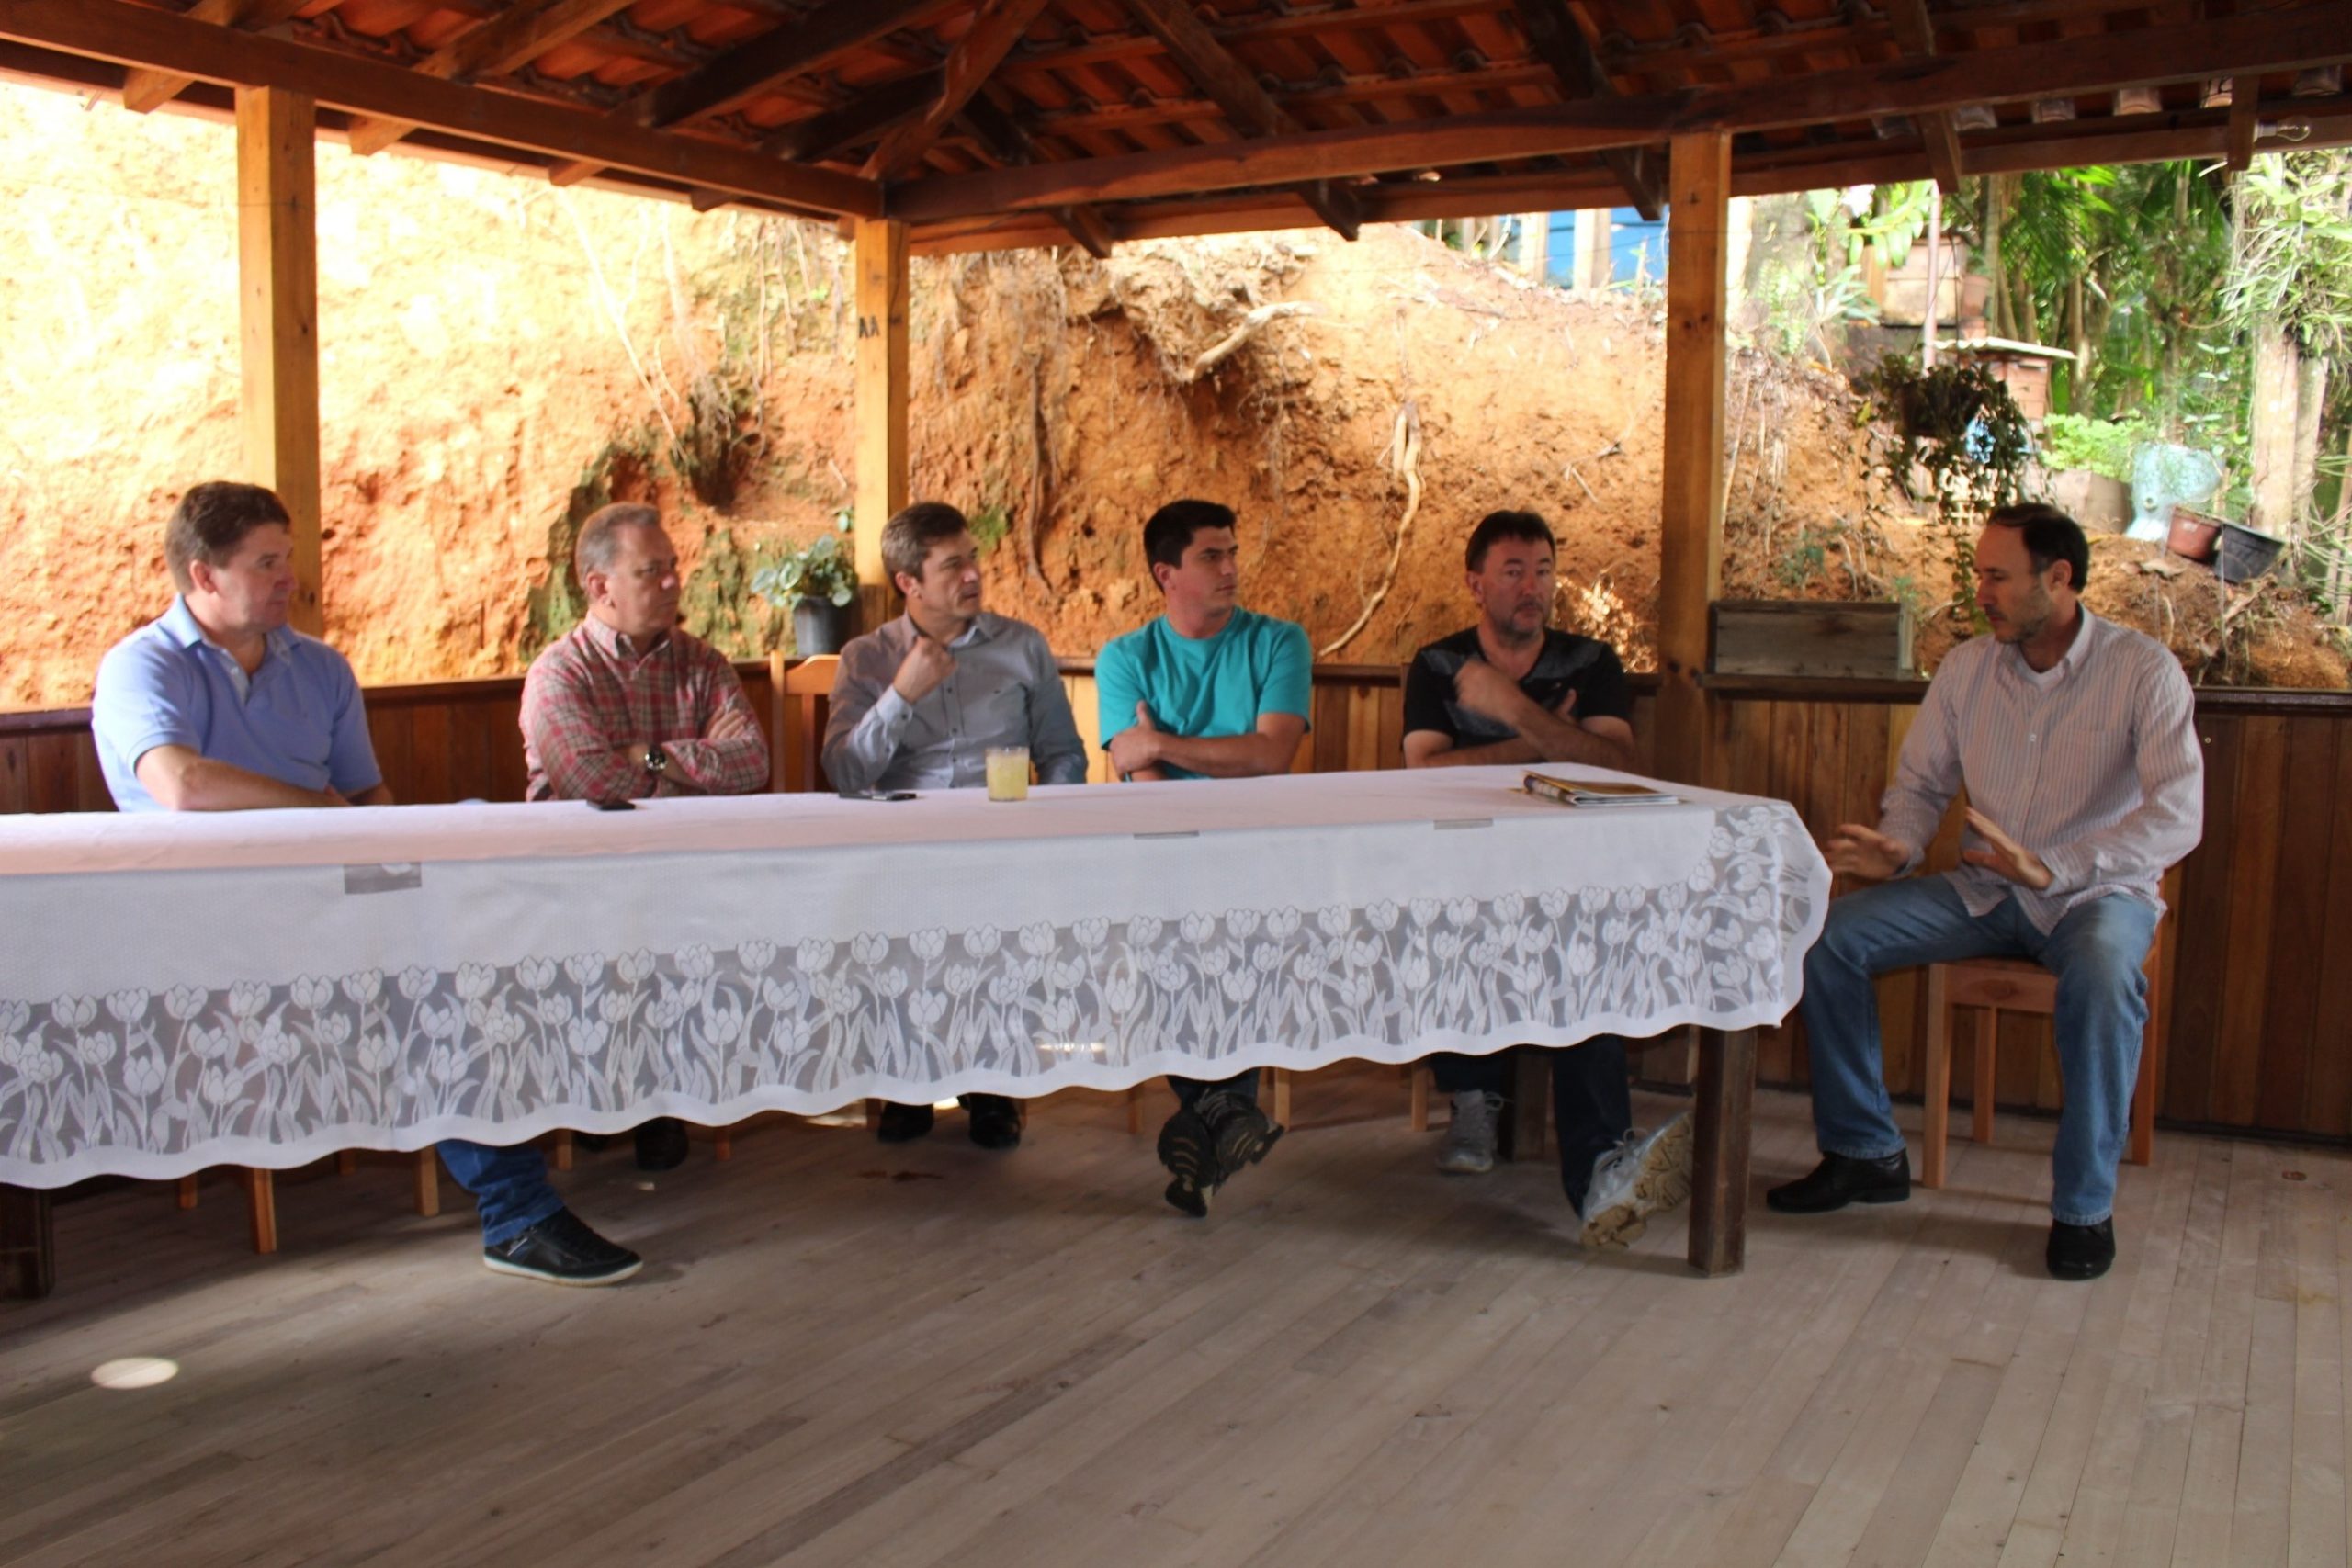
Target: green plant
[
  {"x": 1959, "y": 426},
  {"x": 2100, "y": 446},
  {"x": 989, "y": 525},
  {"x": 817, "y": 569},
  {"x": 1805, "y": 559}
]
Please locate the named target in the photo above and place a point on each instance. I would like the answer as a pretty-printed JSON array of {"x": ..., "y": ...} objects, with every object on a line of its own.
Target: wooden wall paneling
[
  {"x": 510, "y": 774},
  {"x": 1363, "y": 729},
  {"x": 2327, "y": 1105},
  {"x": 428, "y": 759},
  {"x": 15, "y": 775},
  {"x": 2296, "y": 953},
  {"x": 1325, "y": 748},
  {"x": 469, "y": 752},
  {"x": 2256, "y": 831},
  {"x": 54, "y": 775},
  {"x": 1391, "y": 738},
  {"x": 2205, "y": 924},
  {"x": 388, "y": 727}
]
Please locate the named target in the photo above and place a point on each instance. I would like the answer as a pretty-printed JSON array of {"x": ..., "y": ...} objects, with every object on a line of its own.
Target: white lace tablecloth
[{"x": 266, "y": 988}]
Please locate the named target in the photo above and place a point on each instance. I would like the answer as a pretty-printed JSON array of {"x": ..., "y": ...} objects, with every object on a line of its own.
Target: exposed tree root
[{"x": 1405, "y": 462}]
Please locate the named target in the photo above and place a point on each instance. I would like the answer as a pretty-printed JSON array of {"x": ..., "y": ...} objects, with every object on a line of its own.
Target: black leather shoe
[
  {"x": 662, "y": 1144},
  {"x": 1838, "y": 1180},
  {"x": 903, "y": 1123},
  {"x": 563, "y": 1250},
  {"x": 995, "y": 1122},
  {"x": 2080, "y": 1252}
]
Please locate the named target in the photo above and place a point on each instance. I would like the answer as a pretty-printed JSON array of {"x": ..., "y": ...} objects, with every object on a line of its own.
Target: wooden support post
[
  {"x": 28, "y": 1244},
  {"x": 261, "y": 1206},
  {"x": 278, "y": 295},
  {"x": 1590, "y": 266},
  {"x": 881, "y": 406},
  {"x": 1721, "y": 1127},
  {"x": 1691, "y": 541},
  {"x": 1529, "y": 1117},
  {"x": 428, "y": 1183}
]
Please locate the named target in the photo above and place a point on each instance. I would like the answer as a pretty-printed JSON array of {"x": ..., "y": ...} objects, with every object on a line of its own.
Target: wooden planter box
[{"x": 1782, "y": 637}]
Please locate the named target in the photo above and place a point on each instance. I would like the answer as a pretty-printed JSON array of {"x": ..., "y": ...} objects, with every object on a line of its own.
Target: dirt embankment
[{"x": 495, "y": 356}]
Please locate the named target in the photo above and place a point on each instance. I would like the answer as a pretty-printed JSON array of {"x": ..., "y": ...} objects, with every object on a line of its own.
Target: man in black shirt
[{"x": 1511, "y": 689}]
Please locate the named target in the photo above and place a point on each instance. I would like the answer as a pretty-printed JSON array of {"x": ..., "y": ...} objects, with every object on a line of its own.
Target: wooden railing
[{"x": 2261, "y": 1034}]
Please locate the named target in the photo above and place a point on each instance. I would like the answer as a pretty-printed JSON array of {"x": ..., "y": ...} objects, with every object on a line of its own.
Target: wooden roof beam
[
  {"x": 2264, "y": 42},
  {"x": 1233, "y": 89},
  {"x": 835, "y": 131},
  {"x": 514, "y": 37},
  {"x": 830, "y": 32},
  {"x": 1003, "y": 136},
  {"x": 996, "y": 26},
  {"x": 145, "y": 89},
  {"x": 142, "y": 36},
  {"x": 1552, "y": 33},
  {"x": 1914, "y": 33}
]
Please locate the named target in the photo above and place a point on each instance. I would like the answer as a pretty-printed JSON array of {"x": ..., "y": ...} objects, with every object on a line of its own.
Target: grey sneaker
[
  {"x": 1640, "y": 1177},
  {"x": 1469, "y": 1148}
]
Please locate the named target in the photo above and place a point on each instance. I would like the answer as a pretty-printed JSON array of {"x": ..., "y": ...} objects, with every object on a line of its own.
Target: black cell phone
[
  {"x": 612, "y": 805},
  {"x": 883, "y": 795}
]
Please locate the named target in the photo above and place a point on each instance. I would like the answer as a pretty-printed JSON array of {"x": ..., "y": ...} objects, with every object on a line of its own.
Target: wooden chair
[
  {"x": 804, "y": 693},
  {"x": 1995, "y": 986},
  {"x": 261, "y": 1193}
]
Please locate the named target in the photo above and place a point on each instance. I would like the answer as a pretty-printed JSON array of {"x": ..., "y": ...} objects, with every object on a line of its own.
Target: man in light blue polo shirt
[
  {"x": 219, "y": 705},
  {"x": 1208, "y": 690}
]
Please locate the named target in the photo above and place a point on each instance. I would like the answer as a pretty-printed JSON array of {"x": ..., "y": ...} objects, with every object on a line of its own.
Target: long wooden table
[{"x": 269, "y": 988}]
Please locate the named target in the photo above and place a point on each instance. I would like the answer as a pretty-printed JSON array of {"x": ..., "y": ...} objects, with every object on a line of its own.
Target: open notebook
[{"x": 1596, "y": 792}]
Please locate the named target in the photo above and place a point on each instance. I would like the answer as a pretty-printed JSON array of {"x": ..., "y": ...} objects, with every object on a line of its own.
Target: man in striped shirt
[
  {"x": 627, "y": 705},
  {"x": 2073, "y": 736}
]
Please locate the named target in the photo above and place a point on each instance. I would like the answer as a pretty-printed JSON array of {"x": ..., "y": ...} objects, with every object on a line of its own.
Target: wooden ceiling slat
[
  {"x": 2269, "y": 41},
  {"x": 515, "y": 37},
  {"x": 1560, "y": 43},
  {"x": 1252, "y": 111},
  {"x": 136, "y": 35},
  {"x": 997, "y": 25}
]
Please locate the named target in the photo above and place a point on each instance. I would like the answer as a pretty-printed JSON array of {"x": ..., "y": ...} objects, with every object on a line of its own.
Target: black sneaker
[
  {"x": 1838, "y": 1180},
  {"x": 662, "y": 1144},
  {"x": 2080, "y": 1252},
  {"x": 1241, "y": 1132},
  {"x": 1189, "y": 1151},
  {"x": 903, "y": 1123},
  {"x": 995, "y": 1122},
  {"x": 563, "y": 1250}
]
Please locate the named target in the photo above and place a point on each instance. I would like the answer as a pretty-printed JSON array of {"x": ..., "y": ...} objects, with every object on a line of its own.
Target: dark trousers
[
  {"x": 1592, "y": 1106},
  {"x": 1242, "y": 1086}
]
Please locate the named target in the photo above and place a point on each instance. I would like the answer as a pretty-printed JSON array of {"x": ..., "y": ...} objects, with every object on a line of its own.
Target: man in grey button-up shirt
[
  {"x": 918, "y": 702},
  {"x": 2075, "y": 740}
]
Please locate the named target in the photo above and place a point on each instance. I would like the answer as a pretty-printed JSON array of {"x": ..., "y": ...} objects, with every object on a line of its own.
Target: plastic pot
[
  {"x": 2247, "y": 553},
  {"x": 2192, "y": 535},
  {"x": 819, "y": 626}
]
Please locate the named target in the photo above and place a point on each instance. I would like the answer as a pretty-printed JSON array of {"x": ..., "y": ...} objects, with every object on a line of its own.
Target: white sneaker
[
  {"x": 1469, "y": 1147},
  {"x": 1640, "y": 1177}
]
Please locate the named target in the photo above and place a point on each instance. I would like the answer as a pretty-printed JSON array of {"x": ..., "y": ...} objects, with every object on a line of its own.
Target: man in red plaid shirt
[{"x": 627, "y": 705}]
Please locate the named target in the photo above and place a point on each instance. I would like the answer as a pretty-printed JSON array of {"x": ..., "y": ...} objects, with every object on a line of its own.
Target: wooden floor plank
[{"x": 912, "y": 1358}]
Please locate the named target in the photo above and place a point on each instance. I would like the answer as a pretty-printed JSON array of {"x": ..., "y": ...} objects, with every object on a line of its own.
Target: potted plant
[{"x": 817, "y": 582}]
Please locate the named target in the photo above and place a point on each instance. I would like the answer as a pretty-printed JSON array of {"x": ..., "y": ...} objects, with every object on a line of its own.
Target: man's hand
[
  {"x": 2006, "y": 858},
  {"x": 1483, "y": 689},
  {"x": 1856, "y": 850},
  {"x": 1132, "y": 751},
  {"x": 927, "y": 663},
  {"x": 1567, "y": 710}
]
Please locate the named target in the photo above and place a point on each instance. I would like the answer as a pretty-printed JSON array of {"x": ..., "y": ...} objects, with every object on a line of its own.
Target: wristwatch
[{"x": 657, "y": 762}]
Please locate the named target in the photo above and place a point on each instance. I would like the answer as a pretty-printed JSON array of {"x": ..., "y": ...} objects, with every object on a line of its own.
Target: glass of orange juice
[{"x": 1008, "y": 773}]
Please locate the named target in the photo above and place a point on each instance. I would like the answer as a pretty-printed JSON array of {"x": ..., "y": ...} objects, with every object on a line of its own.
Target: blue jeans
[
  {"x": 1592, "y": 1104},
  {"x": 1241, "y": 1085},
  {"x": 510, "y": 1186},
  {"x": 2095, "y": 953}
]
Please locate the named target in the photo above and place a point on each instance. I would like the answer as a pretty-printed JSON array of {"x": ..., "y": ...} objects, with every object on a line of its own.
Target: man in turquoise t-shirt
[{"x": 1208, "y": 690}]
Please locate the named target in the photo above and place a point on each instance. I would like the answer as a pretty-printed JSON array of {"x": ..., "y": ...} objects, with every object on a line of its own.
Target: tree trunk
[
  {"x": 2078, "y": 326},
  {"x": 2310, "y": 397},
  {"x": 2271, "y": 429},
  {"x": 1997, "y": 295}
]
